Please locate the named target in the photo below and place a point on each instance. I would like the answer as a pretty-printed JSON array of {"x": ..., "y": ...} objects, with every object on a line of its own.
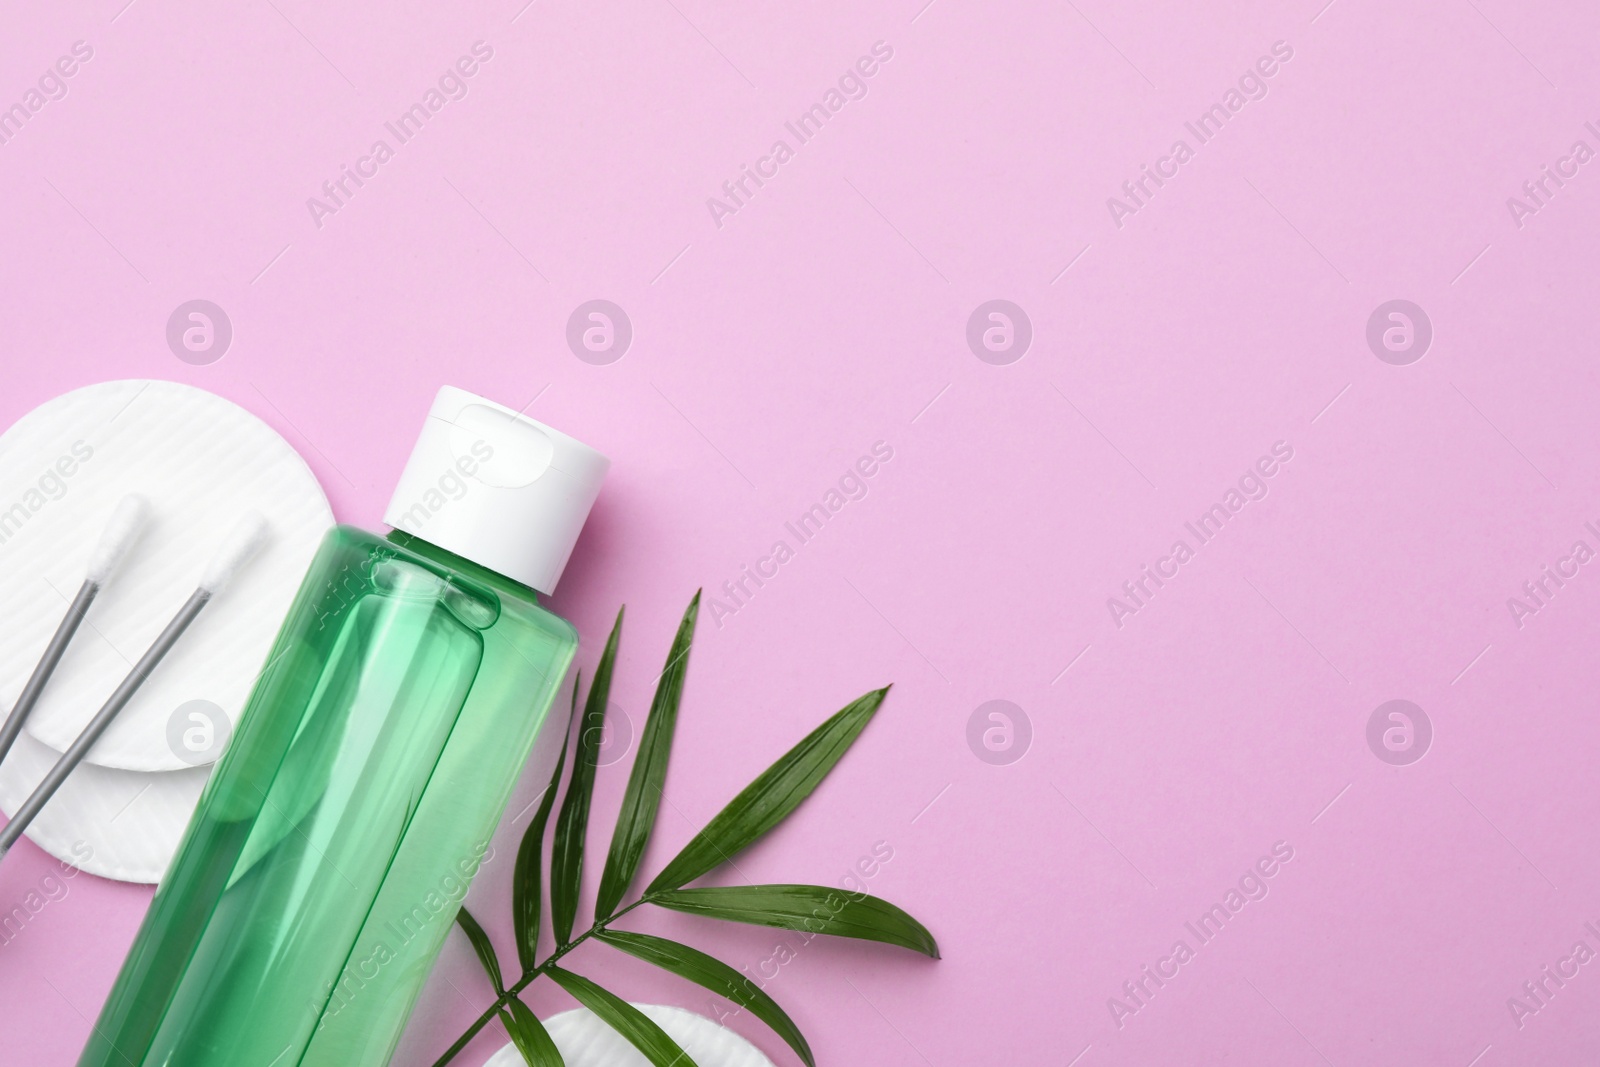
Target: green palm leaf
[
  {"x": 643, "y": 799},
  {"x": 812, "y": 908},
  {"x": 572, "y": 825},
  {"x": 713, "y": 974},
  {"x": 481, "y": 945},
  {"x": 624, "y": 1018},
  {"x": 527, "y": 890},
  {"x": 769, "y": 799},
  {"x": 530, "y": 1036}
]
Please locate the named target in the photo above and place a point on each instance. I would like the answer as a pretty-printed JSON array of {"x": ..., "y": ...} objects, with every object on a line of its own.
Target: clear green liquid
[{"x": 336, "y": 838}]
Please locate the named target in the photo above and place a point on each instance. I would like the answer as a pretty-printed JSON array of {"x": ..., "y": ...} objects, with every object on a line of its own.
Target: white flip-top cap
[{"x": 498, "y": 488}]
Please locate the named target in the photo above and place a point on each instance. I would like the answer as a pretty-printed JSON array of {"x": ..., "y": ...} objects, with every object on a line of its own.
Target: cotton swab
[
  {"x": 120, "y": 533},
  {"x": 242, "y": 543}
]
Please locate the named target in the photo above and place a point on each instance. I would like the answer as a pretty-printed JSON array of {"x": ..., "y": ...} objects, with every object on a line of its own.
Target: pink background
[{"x": 829, "y": 313}]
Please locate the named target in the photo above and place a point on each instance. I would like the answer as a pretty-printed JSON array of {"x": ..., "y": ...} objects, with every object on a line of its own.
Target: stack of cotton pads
[
  {"x": 201, "y": 462},
  {"x": 586, "y": 1041}
]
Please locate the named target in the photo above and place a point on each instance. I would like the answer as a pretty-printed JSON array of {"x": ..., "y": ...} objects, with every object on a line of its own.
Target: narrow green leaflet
[
  {"x": 812, "y": 908},
  {"x": 769, "y": 799},
  {"x": 624, "y": 1018},
  {"x": 527, "y": 890},
  {"x": 481, "y": 945},
  {"x": 566, "y": 862},
  {"x": 530, "y": 1036},
  {"x": 643, "y": 798},
  {"x": 713, "y": 974}
]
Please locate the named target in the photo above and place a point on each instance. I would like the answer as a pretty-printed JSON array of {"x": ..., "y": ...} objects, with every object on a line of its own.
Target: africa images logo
[
  {"x": 338, "y": 191},
  {"x": 1251, "y": 85}
]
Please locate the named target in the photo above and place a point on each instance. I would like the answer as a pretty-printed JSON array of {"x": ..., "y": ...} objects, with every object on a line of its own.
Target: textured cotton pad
[
  {"x": 201, "y": 462},
  {"x": 585, "y": 1041},
  {"x": 117, "y": 824}
]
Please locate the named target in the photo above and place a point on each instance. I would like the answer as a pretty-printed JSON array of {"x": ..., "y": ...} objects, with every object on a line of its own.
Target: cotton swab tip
[
  {"x": 242, "y": 542},
  {"x": 120, "y": 533}
]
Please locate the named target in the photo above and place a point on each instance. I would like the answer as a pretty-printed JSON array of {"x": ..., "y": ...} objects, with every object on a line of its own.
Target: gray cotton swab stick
[
  {"x": 120, "y": 532},
  {"x": 241, "y": 543}
]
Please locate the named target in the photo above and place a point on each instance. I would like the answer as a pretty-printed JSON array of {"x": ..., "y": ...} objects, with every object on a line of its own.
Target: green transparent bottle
[{"x": 338, "y": 834}]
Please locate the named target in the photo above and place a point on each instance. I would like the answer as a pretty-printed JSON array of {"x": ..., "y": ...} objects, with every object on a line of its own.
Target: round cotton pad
[
  {"x": 201, "y": 462},
  {"x": 117, "y": 824},
  {"x": 586, "y": 1041}
]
